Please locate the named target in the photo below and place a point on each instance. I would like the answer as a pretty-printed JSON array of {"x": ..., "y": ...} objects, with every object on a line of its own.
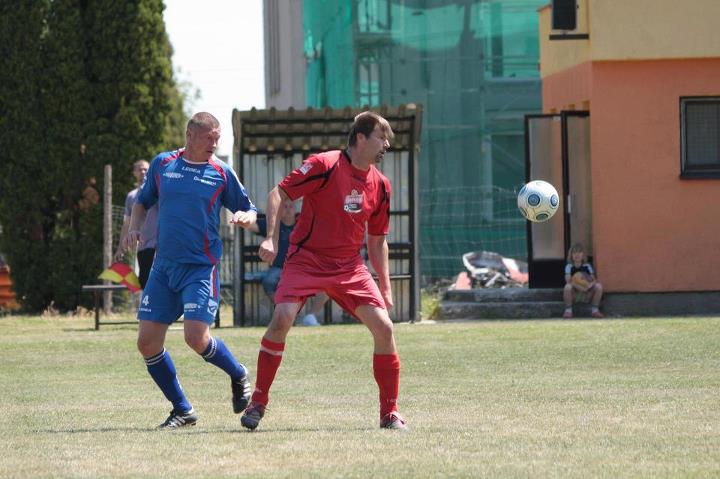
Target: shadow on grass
[{"x": 199, "y": 431}]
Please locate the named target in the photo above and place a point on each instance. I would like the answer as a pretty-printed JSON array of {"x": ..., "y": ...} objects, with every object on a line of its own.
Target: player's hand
[
  {"x": 267, "y": 251},
  {"x": 387, "y": 297},
  {"x": 131, "y": 240},
  {"x": 243, "y": 218},
  {"x": 119, "y": 255}
]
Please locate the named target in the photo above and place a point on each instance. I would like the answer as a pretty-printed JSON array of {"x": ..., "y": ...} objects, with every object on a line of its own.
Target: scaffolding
[{"x": 473, "y": 65}]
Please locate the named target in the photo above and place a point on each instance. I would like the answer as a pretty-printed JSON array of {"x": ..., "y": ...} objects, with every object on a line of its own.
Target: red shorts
[{"x": 346, "y": 281}]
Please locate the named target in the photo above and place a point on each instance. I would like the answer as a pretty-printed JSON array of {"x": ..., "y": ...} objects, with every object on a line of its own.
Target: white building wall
[{"x": 284, "y": 57}]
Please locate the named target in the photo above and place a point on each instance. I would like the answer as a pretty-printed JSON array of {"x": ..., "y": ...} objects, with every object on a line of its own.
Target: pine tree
[{"x": 84, "y": 84}]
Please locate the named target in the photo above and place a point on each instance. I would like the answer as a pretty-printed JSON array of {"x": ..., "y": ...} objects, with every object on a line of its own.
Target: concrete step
[
  {"x": 508, "y": 310},
  {"x": 504, "y": 295}
]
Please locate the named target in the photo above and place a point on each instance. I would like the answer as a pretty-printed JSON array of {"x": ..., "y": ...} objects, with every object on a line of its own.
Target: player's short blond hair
[{"x": 204, "y": 121}]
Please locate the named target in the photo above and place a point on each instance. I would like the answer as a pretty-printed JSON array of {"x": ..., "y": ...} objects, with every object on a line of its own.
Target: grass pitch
[{"x": 609, "y": 398}]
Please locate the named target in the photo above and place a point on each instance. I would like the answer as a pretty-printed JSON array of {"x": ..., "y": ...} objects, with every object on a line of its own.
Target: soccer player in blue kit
[{"x": 190, "y": 186}]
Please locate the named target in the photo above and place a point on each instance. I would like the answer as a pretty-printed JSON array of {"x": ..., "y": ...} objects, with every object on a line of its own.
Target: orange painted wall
[
  {"x": 652, "y": 231},
  {"x": 567, "y": 89}
]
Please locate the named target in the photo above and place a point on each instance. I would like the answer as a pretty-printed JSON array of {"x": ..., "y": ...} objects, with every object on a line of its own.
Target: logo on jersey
[
  {"x": 172, "y": 174},
  {"x": 204, "y": 181},
  {"x": 353, "y": 202},
  {"x": 212, "y": 306},
  {"x": 192, "y": 170},
  {"x": 304, "y": 168}
]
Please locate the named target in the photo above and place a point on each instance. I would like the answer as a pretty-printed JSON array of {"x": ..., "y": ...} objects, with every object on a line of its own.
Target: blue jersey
[{"x": 190, "y": 196}]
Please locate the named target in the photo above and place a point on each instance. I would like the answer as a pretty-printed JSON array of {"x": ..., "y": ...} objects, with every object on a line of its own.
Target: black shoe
[
  {"x": 240, "y": 394},
  {"x": 179, "y": 419},
  {"x": 254, "y": 412}
]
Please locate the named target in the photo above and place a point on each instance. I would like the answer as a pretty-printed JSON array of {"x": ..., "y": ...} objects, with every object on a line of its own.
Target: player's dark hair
[
  {"x": 365, "y": 123},
  {"x": 203, "y": 120}
]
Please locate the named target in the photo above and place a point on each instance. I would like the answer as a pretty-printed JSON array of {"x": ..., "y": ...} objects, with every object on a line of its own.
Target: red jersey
[{"x": 339, "y": 200}]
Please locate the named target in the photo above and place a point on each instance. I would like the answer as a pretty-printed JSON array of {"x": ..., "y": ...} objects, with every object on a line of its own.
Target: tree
[{"x": 83, "y": 84}]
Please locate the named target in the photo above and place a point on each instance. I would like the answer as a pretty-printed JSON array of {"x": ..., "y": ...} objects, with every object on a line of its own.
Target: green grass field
[{"x": 609, "y": 398}]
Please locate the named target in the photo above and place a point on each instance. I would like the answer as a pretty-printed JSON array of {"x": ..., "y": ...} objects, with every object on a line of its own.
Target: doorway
[{"x": 557, "y": 150}]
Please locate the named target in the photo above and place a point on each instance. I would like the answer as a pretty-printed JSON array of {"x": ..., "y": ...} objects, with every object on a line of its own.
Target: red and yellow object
[
  {"x": 7, "y": 297},
  {"x": 123, "y": 274}
]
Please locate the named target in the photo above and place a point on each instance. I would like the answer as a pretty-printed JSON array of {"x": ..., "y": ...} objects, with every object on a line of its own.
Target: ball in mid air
[{"x": 538, "y": 201}]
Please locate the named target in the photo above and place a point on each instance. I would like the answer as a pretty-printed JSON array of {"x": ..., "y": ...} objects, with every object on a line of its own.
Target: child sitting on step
[{"x": 580, "y": 283}]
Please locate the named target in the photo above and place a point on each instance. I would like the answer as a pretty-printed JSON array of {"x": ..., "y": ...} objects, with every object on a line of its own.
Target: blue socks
[
  {"x": 219, "y": 355},
  {"x": 162, "y": 370}
]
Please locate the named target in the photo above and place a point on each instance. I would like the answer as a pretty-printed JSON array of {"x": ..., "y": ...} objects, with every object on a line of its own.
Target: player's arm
[
  {"x": 146, "y": 198},
  {"x": 254, "y": 228},
  {"x": 127, "y": 211},
  {"x": 137, "y": 219},
  {"x": 269, "y": 247},
  {"x": 378, "y": 253},
  {"x": 236, "y": 199},
  {"x": 245, "y": 219},
  {"x": 120, "y": 251}
]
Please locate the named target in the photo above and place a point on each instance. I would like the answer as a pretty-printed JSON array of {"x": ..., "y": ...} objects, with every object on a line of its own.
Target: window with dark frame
[{"x": 700, "y": 137}]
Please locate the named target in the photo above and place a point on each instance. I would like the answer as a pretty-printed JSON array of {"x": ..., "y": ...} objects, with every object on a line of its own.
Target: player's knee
[
  {"x": 283, "y": 319},
  {"x": 197, "y": 342},
  {"x": 383, "y": 328},
  {"x": 599, "y": 287},
  {"x": 148, "y": 346}
]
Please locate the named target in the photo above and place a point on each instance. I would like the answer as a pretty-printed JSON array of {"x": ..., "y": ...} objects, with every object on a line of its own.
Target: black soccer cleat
[
  {"x": 179, "y": 419},
  {"x": 240, "y": 394},
  {"x": 254, "y": 412}
]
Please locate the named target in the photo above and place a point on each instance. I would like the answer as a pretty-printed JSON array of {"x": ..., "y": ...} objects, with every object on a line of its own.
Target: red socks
[
  {"x": 386, "y": 368},
  {"x": 269, "y": 359}
]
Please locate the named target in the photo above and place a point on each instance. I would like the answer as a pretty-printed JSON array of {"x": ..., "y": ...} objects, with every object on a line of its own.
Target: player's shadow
[
  {"x": 95, "y": 429},
  {"x": 197, "y": 431}
]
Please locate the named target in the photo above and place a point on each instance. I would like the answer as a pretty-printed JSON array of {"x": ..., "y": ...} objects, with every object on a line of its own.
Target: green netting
[{"x": 473, "y": 65}]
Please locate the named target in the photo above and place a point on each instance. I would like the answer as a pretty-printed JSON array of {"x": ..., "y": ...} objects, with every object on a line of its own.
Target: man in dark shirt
[{"x": 287, "y": 223}]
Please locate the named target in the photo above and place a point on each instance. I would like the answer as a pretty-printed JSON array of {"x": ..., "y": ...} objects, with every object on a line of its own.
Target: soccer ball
[{"x": 538, "y": 201}]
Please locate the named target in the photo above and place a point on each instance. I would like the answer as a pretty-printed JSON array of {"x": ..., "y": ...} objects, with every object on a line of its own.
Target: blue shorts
[
  {"x": 270, "y": 280},
  {"x": 176, "y": 289}
]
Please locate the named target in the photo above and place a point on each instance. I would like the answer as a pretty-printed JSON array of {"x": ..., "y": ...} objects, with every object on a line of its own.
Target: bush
[{"x": 82, "y": 84}]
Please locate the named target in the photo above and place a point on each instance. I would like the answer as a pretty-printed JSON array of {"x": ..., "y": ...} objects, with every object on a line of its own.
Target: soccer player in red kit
[{"x": 344, "y": 195}]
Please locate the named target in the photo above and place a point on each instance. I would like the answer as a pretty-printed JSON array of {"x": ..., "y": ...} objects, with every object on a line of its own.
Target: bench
[
  {"x": 98, "y": 289},
  {"x": 252, "y": 275}
]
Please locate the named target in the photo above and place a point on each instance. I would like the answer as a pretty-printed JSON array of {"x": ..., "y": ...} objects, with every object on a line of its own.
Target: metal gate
[{"x": 271, "y": 143}]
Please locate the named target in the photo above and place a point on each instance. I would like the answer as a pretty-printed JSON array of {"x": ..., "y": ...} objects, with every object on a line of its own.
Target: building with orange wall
[{"x": 648, "y": 73}]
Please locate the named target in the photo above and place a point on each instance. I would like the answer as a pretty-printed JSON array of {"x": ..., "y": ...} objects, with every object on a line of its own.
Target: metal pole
[
  {"x": 107, "y": 233},
  {"x": 238, "y": 264}
]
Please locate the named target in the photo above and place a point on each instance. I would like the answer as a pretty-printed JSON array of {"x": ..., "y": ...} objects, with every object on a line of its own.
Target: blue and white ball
[{"x": 538, "y": 201}]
